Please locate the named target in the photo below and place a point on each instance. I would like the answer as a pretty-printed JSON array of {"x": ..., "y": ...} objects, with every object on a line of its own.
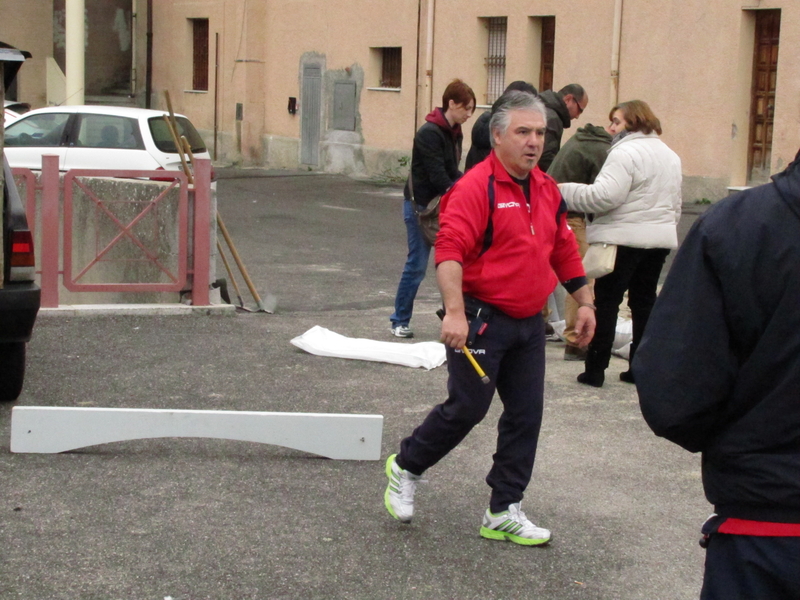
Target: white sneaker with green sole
[
  {"x": 514, "y": 526},
  {"x": 399, "y": 496}
]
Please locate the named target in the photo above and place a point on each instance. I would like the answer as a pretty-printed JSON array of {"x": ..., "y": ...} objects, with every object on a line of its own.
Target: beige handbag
[{"x": 599, "y": 260}]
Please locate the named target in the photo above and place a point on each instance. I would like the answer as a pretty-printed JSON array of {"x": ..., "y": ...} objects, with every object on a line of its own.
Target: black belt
[
  {"x": 478, "y": 313},
  {"x": 478, "y": 308}
]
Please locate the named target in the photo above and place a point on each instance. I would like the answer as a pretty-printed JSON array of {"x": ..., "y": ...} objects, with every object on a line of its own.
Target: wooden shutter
[{"x": 200, "y": 54}]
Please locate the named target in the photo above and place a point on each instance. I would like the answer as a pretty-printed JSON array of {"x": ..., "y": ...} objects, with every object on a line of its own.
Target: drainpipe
[
  {"x": 423, "y": 99},
  {"x": 133, "y": 48},
  {"x": 148, "y": 76},
  {"x": 429, "y": 53},
  {"x": 615, "y": 51},
  {"x": 416, "y": 68},
  {"x": 216, "y": 92},
  {"x": 76, "y": 48}
]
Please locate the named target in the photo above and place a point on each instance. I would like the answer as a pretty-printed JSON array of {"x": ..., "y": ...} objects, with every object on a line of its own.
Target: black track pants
[
  {"x": 511, "y": 352},
  {"x": 744, "y": 567}
]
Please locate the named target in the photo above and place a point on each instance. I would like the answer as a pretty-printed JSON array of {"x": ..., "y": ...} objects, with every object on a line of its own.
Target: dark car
[{"x": 19, "y": 294}]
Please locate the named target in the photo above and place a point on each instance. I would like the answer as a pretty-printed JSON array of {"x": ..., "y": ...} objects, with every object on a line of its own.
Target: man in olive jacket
[{"x": 579, "y": 161}]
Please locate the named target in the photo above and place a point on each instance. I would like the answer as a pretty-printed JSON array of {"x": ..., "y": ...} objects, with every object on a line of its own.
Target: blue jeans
[{"x": 414, "y": 272}]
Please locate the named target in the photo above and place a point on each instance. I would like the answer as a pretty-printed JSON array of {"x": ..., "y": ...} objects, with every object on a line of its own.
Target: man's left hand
[{"x": 585, "y": 326}]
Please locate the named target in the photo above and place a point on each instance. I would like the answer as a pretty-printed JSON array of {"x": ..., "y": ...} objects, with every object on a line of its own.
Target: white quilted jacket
[{"x": 636, "y": 197}]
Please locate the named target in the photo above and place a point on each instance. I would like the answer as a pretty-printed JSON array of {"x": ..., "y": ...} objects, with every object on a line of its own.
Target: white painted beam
[
  {"x": 47, "y": 430},
  {"x": 75, "y": 25}
]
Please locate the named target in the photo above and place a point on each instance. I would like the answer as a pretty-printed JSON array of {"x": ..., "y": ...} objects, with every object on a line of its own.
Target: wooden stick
[
  {"x": 172, "y": 124},
  {"x": 240, "y": 264},
  {"x": 179, "y": 149}
]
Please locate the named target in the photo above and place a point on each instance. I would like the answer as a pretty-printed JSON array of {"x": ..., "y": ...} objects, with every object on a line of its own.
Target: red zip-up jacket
[{"x": 529, "y": 252}]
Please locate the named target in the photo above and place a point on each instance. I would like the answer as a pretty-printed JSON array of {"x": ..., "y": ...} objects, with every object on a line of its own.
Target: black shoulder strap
[
  {"x": 487, "y": 236},
  {"x": 562, "y": 210},
  {"x": 562, "y": 206}
]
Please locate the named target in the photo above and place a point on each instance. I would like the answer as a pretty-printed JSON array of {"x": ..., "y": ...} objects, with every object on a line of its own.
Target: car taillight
[
  {"x": 22, "y": 262},
  {"x": 162, "y": 178},
  {"x": 213, "y": 175}
]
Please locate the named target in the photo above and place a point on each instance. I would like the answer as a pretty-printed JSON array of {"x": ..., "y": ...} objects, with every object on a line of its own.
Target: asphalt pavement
[{"x": 192, "y": 519}]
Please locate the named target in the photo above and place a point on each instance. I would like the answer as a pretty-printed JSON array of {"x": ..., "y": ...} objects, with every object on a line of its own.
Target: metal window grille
[
  {"x": 392, "y": 67},
  {"x": 199, "y": 54},
  {"x": 496, "y": 58}
]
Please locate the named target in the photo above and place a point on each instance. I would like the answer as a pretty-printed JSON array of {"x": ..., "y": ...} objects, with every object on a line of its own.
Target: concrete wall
[{"x": 92, "y": 231}]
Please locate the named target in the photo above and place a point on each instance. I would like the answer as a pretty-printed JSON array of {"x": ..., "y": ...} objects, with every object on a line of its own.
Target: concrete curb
[{"x": 78, "y": 310}]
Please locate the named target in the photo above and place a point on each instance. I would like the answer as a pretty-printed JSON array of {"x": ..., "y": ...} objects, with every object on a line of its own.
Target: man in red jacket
[{"x": 503, "y": 244}]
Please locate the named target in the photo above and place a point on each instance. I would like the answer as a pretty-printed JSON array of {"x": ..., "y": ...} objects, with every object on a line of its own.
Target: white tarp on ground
[{"x": 323, "y": 342}]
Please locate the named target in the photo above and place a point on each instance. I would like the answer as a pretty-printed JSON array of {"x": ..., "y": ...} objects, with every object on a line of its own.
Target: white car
[
  {"x": 10, "y": 116},
  {"x": 98, "y": 137},
  {"x": 13, "y": 110}
]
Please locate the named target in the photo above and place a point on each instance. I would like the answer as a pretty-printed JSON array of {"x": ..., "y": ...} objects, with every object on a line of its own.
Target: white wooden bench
[{"x": 44, "y": 429}]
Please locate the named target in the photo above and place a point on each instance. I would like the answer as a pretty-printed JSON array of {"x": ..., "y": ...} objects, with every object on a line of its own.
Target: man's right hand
[{"x": 455, "y": 330}]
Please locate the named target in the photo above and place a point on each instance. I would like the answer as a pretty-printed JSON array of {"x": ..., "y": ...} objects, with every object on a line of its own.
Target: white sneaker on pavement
[
  {"x": 514, "y": 526},
  {"x": 399, "y": 496},
  {"x": 402, "y": 331}
]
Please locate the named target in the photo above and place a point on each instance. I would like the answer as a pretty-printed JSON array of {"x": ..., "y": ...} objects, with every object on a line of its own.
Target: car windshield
[
  {"x": 163, "y": 138},
  {"x": 37, "y": 130}
]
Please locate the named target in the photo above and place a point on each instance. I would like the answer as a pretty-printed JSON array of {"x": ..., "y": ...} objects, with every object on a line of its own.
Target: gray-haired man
[{"x": 503, "y": 244}]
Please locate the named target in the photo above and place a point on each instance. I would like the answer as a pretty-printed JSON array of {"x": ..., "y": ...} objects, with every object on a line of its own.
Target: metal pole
[
  {"x": 216, "y": 92},
  {"x": 50, "y": 231},
  {"x": 202, "y": 233}
]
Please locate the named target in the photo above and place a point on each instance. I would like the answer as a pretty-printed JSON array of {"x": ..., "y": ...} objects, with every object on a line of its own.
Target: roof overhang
[{"x": 12, "y": 59}]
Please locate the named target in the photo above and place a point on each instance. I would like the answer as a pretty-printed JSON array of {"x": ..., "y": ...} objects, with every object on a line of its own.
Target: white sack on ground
[
  {"x": 559, "y": 327},
  {"x": 622, "y": 338},
  {"x": 323, "y": 342}
]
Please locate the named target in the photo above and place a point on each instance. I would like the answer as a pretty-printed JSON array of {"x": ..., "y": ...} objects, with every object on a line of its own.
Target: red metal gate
[{"x": 123, "y": 218}]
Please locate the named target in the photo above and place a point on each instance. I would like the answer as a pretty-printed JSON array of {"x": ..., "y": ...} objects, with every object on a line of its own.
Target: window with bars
[
  {"x": 496, "y": 57},
  {"x": 199, "y": 54},
  {"x": 391, "y": 67}
]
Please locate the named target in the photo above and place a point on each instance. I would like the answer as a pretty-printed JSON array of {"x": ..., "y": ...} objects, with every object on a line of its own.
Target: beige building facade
[{"x": 342, "y": 85}]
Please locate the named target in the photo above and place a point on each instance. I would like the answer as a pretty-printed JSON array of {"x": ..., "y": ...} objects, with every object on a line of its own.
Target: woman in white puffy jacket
[{"x": 634, "y": 203}]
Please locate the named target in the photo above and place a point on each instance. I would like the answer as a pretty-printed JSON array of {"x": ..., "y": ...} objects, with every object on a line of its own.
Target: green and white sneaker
[
  {"x": 399, "y": 496},
  {"x": 514, "y": 526}
]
